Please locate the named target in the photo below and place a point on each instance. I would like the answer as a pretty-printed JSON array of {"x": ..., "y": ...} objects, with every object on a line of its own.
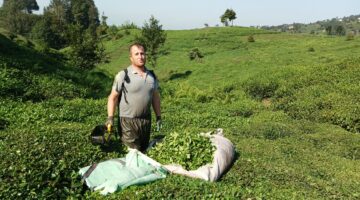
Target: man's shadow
[
  {"x": 180, "y": 75},
  {"x": 114, "y": 145}
]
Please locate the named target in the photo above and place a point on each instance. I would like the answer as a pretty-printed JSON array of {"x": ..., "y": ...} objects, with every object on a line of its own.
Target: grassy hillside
[{"x": 289, "y": 103}]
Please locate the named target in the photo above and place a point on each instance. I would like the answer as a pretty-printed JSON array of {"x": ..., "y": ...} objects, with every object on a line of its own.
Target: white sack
[{"x": 223, "y": 158}]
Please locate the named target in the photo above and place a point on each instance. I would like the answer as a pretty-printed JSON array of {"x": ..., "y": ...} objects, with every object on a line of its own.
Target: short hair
[{"x": 137, "y": 44}]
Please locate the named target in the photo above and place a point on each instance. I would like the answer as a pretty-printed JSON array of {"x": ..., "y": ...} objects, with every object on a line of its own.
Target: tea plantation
[{"x": 290, "y": 103}]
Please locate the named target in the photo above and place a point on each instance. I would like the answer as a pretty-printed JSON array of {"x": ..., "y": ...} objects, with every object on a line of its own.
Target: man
[{"x": 140, "y": 91}]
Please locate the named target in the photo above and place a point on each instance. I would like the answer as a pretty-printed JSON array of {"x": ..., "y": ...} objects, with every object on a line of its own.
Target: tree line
[
  {"x": 74, "y": 24},
  {"x": 334, "y": 26}
]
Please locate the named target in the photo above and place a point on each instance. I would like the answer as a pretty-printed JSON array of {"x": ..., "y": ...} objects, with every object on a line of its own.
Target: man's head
[{"x": 137, "y": 55}]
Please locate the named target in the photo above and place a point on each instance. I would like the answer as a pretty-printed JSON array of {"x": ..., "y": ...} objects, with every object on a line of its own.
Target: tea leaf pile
[{"x": 187, "y": 149}]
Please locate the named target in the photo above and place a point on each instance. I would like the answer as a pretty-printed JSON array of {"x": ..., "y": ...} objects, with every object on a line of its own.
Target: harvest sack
[
  {"x": 223, "y": 158},
  {"x": 116, "y": 174}
]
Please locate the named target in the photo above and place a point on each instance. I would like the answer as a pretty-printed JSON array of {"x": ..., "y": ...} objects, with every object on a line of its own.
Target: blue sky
[{"x": 189, "y": 14}]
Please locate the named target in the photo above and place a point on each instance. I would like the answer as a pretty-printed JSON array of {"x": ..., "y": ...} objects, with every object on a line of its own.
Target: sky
[{"x": 190, "y": 14}]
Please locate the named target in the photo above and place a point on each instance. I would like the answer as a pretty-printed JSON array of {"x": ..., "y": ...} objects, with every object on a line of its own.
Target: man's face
[{"x": 137, "y": 56}]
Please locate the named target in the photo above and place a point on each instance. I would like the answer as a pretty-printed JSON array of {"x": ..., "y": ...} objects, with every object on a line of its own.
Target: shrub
[
  {"x": 12, "y": 36},
  {"x": 350, "y": 36},
  {"x": 118, "y": 36},
  {"x": 272, "y": 130},
  {"x": 244, "y": 109},
  {"x": 311, "y": 49},
  {"x": 127, "y": 32},
  {"x": 260, "y": 87},
  {"x": 195, "y": 54},
  {"x": 271, "y": 125},
  {"x": 251, "y": 38},
  {"x": 308, "y": 94},
  {"x": 3, "y": 123},
  {"x": 128, "y": 25}
]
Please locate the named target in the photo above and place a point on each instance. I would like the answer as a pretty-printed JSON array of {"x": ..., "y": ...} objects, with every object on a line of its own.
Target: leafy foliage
[
  {"x": 85, "y": 51},
  {"x": 27, "y": 74},
  {"x": 195, "y": 54},
  {"x": 17, "y": 21},
  {"x": 188, "y": 149},
  {"x": 229, "y": 15},
  {"x": 251, "y": 38},
  {"x": 350, "y": 36},
  {"x": 153, "y": 37}
]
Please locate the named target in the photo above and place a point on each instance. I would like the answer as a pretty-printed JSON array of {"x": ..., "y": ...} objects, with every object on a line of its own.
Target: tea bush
[
  {"x": 43, "y": 163},
  {"x": 44, "y": 145},
  {"x": 350, "y": 36},
  {"x": 311, "y": 49},
  {"x": 195, "y": 54},
  {"x": 251, "y": 38},
  {"x": 56, "y": 110},
  {"x": 260, "y": 86},
  {"x": 312, "y": 97},
  {"x": 269, "y": 125}
]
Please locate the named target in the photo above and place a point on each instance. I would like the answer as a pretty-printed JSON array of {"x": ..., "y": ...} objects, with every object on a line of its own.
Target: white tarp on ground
[
  {"x": 116, "y": 174},
  {"x": 223, "y": 158}
]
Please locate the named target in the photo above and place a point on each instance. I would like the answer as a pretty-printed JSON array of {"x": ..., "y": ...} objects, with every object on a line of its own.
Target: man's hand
[
  {"x": 158, "y": 123},
  {"x": 109, "y": 121}
]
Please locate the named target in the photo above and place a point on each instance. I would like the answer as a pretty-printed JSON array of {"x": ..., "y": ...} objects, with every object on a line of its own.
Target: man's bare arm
[
  {"x": 156, "y": 103},
  {"x": 112, "y": 101}
]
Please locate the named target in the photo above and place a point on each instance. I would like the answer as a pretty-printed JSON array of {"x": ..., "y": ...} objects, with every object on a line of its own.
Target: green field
[{"x": 290, "y": 103}]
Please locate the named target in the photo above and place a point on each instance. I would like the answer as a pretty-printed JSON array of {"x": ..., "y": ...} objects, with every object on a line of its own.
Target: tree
[
  {"x": 85, "y": 49},
  {"x": 328, "y": 29},
  {"x": 52, "y": 30},
  {"x": 340, "y": 30},
  {"x": 297, "y": 27},
  {"x": 102, "y": 29},
  {"x": 229, "y": 15},
  {"x": 31, "y": 5},
  {"x": 43, "y": 33},
  {"x": 17, "y": 15},
  {"x": 60, "y": 13},
  {"x": 103, "y": 19},
  {"x": 22, "y": 5},
  {"x": 224, "y": 20},
  {"x": 85, "y": 14},
  {"x": 152, "y": 37}
]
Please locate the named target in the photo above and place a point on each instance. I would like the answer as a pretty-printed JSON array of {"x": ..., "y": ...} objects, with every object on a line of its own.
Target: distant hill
[{"x": 349, "y": 24}]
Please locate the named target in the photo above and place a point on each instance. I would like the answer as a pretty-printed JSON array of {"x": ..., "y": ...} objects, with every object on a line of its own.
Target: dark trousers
[{"x": 135, "y": 132}]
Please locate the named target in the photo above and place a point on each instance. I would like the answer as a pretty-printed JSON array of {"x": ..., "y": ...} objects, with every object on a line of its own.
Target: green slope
[
  {"x": 30, "y": 74},
  {"x": 289, "y": 103}
]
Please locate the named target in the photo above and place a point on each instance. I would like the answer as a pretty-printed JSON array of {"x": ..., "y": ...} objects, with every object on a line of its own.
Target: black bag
[{"x": 100, "y": 135}]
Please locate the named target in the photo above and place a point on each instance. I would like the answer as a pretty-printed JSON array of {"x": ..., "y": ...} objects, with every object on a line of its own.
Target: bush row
[
  {"x": 323, "y": 93},
  {"x": 27, "y": 114}
]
